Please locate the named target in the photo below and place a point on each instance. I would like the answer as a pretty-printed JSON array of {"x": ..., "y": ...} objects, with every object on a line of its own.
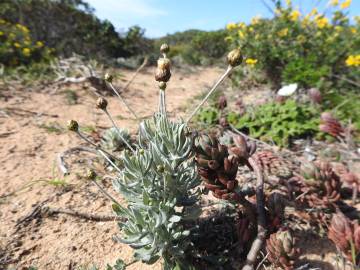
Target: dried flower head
[
  {"x": 164, "y": 48},
  {"x": 73, "y": 125},
  {"x": 235, "y": 57},
  {"x": 101, "y": 103},
  {"x": 109, "y": 78},
  {"x": 91, "y": 175},
  {"x": 163, "y": 72},
  {"x": 162, "y": 85}
]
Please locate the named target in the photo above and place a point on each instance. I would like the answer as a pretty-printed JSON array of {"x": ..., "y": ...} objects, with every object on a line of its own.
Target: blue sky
[{"x": 160, "y": 17}]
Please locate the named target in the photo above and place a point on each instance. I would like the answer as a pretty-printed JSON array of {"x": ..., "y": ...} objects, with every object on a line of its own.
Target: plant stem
[
  {"x": 105, "y": 192},
  {"x": 212, "y": 90},
  {"x": 123, "y": 100},
  {"x": 100, "y": 151},
  {"x": 261, "y": 218},
  {"x": 118, "y": 130}
]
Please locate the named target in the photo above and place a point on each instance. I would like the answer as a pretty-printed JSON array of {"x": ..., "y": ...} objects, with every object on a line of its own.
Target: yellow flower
[
  {"x": 284, "y": 32},
  {"x": 251, "y": 62},
  {"x": 345, "y": 4},
  {"x": 353, "y": 30},
  {"x": 1, "y": 33},
  {"x": 322, "y": 22},
  {"x": 26, "y": 52},
  {"x": 242, "y": 25},
  {"x": 27, "y": 42},
  {"x": 39, "y": 44},
  {"x": 241, "y": 34},
  {"x": 231, "y": 26},
  {"x": 25, "y": 29},
  {"x": 288, "y": 3},
  {"x": 334, "y": 3},
  {"x": 294, "y": 16},
  {"x": 255, "y": 20},
  {"x": 2, "y": 21},
  {"x": 17, "y": 45},
  {"x": 353, "y": 60}
]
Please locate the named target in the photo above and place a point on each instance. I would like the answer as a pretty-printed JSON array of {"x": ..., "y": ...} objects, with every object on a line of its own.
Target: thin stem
[
  {"x": 123, "y": 100},
  {"x": 118, "y": 130},
  {"x": 109, "y": 160},
  {"x": 105, "y": 192},
  {"x": 261, "y": 218},
  {"x": 97, "y": 148},
  {"x": 162, "y": 102},
  {"x": 212, "y": 90}
]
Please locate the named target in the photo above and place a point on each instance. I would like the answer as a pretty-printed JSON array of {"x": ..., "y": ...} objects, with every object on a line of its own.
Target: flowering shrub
[
  {"x": 17, "y": 47},
  {"x": 303, "y": 48}
]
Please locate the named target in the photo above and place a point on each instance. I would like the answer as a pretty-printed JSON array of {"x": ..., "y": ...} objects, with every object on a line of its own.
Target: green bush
[
  {"x": 70, "y": 26},
  {"x": 18, "y": 48},
  {"x": 196, "y": 47},
  {"x": 278, "y": 122},
  {"x": 301, "y": 48}
]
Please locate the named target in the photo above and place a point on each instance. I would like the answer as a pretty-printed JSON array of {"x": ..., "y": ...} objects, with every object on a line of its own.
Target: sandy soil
[
  {"x": 33, "y": 132},
  {"x": 28, "y": 148}
]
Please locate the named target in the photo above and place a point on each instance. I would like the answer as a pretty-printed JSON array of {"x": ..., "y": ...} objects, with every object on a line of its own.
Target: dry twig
[
  {"x": 261, "y": 219},
  {"x": 51, "y": 211}
]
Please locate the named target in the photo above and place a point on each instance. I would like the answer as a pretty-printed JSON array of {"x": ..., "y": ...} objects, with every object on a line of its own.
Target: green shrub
[
  {"x": 301, "y": 48},
  {"x": 18, "y": 48},
  {"x": 196, "y": 47},
  {"x": 278, "y": 122}
]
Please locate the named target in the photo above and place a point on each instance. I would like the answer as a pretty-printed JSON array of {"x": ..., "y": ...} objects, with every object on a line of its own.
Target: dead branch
[
  {"x": 51, "y": 211},
  {"x": 261, "y": 218},
  {"x": 60, "y": 160},
  {"x": 23, "y": 112},
  {"x": 134, "y": 75}
]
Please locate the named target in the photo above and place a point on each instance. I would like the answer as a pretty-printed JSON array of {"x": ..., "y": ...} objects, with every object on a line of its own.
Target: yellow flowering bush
[
  {"x": 353, "y": 60},
  {"x": 302, "y": 48},
  {"x": 17, "y": 46}
]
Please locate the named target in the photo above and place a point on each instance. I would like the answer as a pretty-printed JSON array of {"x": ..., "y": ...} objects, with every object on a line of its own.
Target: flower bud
[
  {"x": 90, "y": 175},
  {"x": 73, "y": 125},
  {"x": 101, "y": 103},
  {"x": 108, "y": 77},
  {"x": 162, "y": 75},
  {"x": 160, "y": 168},
  {"x": 164, "y": 48},
  {"x": 162, "y": 85},
  {"x": 163, "y": 63},
  {"x": 234, "y": 57}
]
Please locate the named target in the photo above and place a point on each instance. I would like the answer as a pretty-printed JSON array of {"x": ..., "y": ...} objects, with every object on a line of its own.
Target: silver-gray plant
[{"x": 159, "y": 179}]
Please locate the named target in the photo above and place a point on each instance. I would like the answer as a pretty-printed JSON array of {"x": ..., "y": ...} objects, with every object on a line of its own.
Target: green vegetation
[
  {"x": 196, "y": 47},
  {"x": 278, "y": 122},
  {"x": 303, "y": 48}
]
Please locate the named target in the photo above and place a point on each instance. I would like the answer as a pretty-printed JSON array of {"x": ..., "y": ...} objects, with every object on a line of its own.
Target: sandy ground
[
  {"x": 32, "y": 134},
  {"x": 28, "y": 149}
]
